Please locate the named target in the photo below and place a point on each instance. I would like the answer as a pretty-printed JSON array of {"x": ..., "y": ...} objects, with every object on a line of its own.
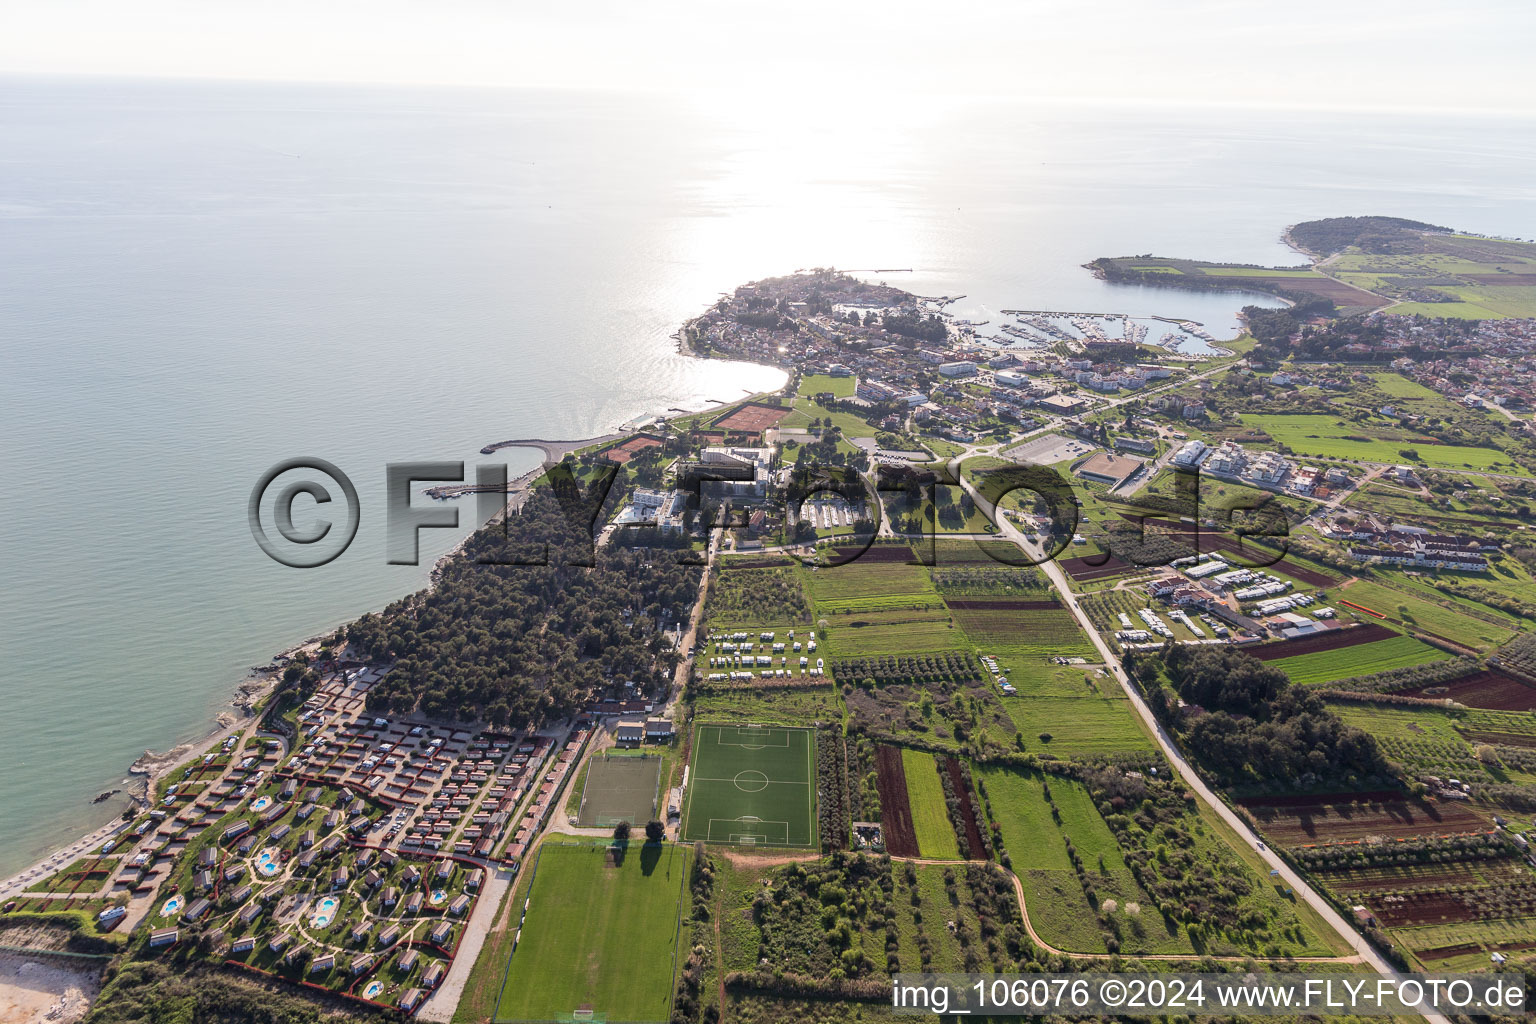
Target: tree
[
  {"x": 621, "y": 832},
  {"x": 655, "y": 831}
]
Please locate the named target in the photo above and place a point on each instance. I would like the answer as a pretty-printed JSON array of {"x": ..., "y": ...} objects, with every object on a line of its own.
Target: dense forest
[
  {"x": 1373, "y": 234},
  {"x": 1251, "y": 726},
  {"x": 521, "y": 644}
]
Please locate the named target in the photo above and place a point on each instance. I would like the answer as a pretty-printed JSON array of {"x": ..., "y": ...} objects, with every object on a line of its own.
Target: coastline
[{"x": 145, "y": 771}]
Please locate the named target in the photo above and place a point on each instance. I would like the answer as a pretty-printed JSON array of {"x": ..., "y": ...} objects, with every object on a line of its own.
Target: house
[
  {"x": 630, "y": 732},
  {"x": 163, "y": 937},
  {"x": 472, "y": 884},
  {"x": 198, "y": 908},
  {"x": 249, "y": 912},
  {"x": 433, "y": 974},
  {"x": 362, "y": 962},
  {"x": 388, "y": 936},
  {"x": 244, "y": 944},
  {"x": 324, "y": 962},
  {"x": 440, "y": 932},
  {"x": 407, "y": 960},
  {"x": 658, "y": 729},
  {"x": 459, "y": 905},
  {"x": 278, "y": 942},
  {"x": 411, "y": 999},
  {"x": 957, "y": 369}
]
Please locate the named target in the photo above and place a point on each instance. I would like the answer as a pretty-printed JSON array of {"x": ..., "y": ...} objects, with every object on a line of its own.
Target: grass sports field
[
  {"x": 597, "y": 935},
  {"x": 753, "y": 785},
  {"x": 619, "y": 787}
]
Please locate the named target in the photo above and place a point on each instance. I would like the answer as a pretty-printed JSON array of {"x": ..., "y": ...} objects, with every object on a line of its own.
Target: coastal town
[{"x": 1275, "y": 615}]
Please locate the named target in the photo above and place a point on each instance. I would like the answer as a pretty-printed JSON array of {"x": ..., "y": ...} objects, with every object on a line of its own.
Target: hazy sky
[{"x": 1335, "y": 53}]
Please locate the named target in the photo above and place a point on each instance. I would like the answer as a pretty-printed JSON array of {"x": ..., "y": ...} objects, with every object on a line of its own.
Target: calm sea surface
[{"x": 197, "y": 281}]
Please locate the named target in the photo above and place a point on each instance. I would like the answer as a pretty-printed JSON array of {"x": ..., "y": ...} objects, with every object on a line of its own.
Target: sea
[{"x": 199, "y": 280}]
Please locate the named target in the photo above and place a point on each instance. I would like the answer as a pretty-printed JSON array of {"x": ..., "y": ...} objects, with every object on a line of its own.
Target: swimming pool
[
  {"x": 438, "y": 896},
  {"x": 261, "y": 803},
  {"x": 171, "y": 907},
  {"x": 373, "y": 989},
  {"x": 325, "y": 911},
  {"x": 267, "y": 863}
]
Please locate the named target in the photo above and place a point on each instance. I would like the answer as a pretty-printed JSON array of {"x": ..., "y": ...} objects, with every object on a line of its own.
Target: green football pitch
[
  {"x": 598, "y": 940},
  {"x": 752, "y": 785}
]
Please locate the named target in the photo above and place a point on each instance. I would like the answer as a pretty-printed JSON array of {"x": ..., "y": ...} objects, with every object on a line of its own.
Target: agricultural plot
[
  {"x": 1077, "y": 726},
  {"x": 883, "y": 573},
  {"x": 1364, "y": 659},
  {"x": 1326, "y": 437},
  {"x": 895, "y": 804},
  {"x": 598, "y": 937},
  {"x": 761, "y": 701},
  {"x": 756, "y": 597},
  {"x": 619, "y": 788},
  {"x": 1489, "y": 689},
  {"x": 920, "y": 630},
  {"x": 947, "y": 710},
  {"x": 1329, "y": 640},
  {"x": 752, "y": 785},
  {"x": 1021, "y": 627},
  {"x": 1349, "y": 817},
  {"x": 1470, "y": 625},
  {"x": 977, "y": 553},
  {"x": 930, "y": 817}
]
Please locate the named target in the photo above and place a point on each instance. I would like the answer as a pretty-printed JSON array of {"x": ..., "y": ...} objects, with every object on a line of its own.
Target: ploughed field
[{"x": 1351, "y": 817}]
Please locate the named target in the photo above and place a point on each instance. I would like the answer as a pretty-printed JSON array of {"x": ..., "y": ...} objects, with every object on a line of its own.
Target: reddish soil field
[
  {"x": 967, "y": 810},
  {"x": 1491, "y": 689},
  {"x": 1459, "y": 903},
  {"x": 1310, "y": 821},
  {"x": 1338, "y": 292},
  {"x": 1447, "y": 952},
  {"x": 626, "y": 450},
  {"x": 753, "y": 417},
  {"x": 999, "y": 604},
  {"x": 895, "y": 811},
  {"x": 875, "y": 553},
  {"x": 1449, "y": 875},
  {"x": 1333, "y": 640},
  {"x": 1095, "y": 567},
  {"x": 1418, "y": 908},
  {"x": 1508, "y": 739}
]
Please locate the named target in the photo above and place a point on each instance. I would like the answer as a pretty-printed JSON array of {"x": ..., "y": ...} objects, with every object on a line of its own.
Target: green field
[
  {"x": 1030, "y": 834},
  {"x": 752, "y": 785},
  {"x": 838, "y": 387},
  {"x": 1077, "y": 725},
  {"x": 1324, "y": 437},
  {"x": 1360, "y": 660},
  {"x": 892, "y": 631},
  {"x": 840, "y": 586},
  {"x": 1464, "y": 627},
  {"x": 597, "y": 935},
  {"x": 930, "y": 816}
]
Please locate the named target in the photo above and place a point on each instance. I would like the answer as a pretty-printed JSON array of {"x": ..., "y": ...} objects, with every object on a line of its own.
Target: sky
[{"x": 1350, "y": 54}]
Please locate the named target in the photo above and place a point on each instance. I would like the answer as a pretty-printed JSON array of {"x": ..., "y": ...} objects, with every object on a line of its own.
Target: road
[{"x": 1181, "y": 765}]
